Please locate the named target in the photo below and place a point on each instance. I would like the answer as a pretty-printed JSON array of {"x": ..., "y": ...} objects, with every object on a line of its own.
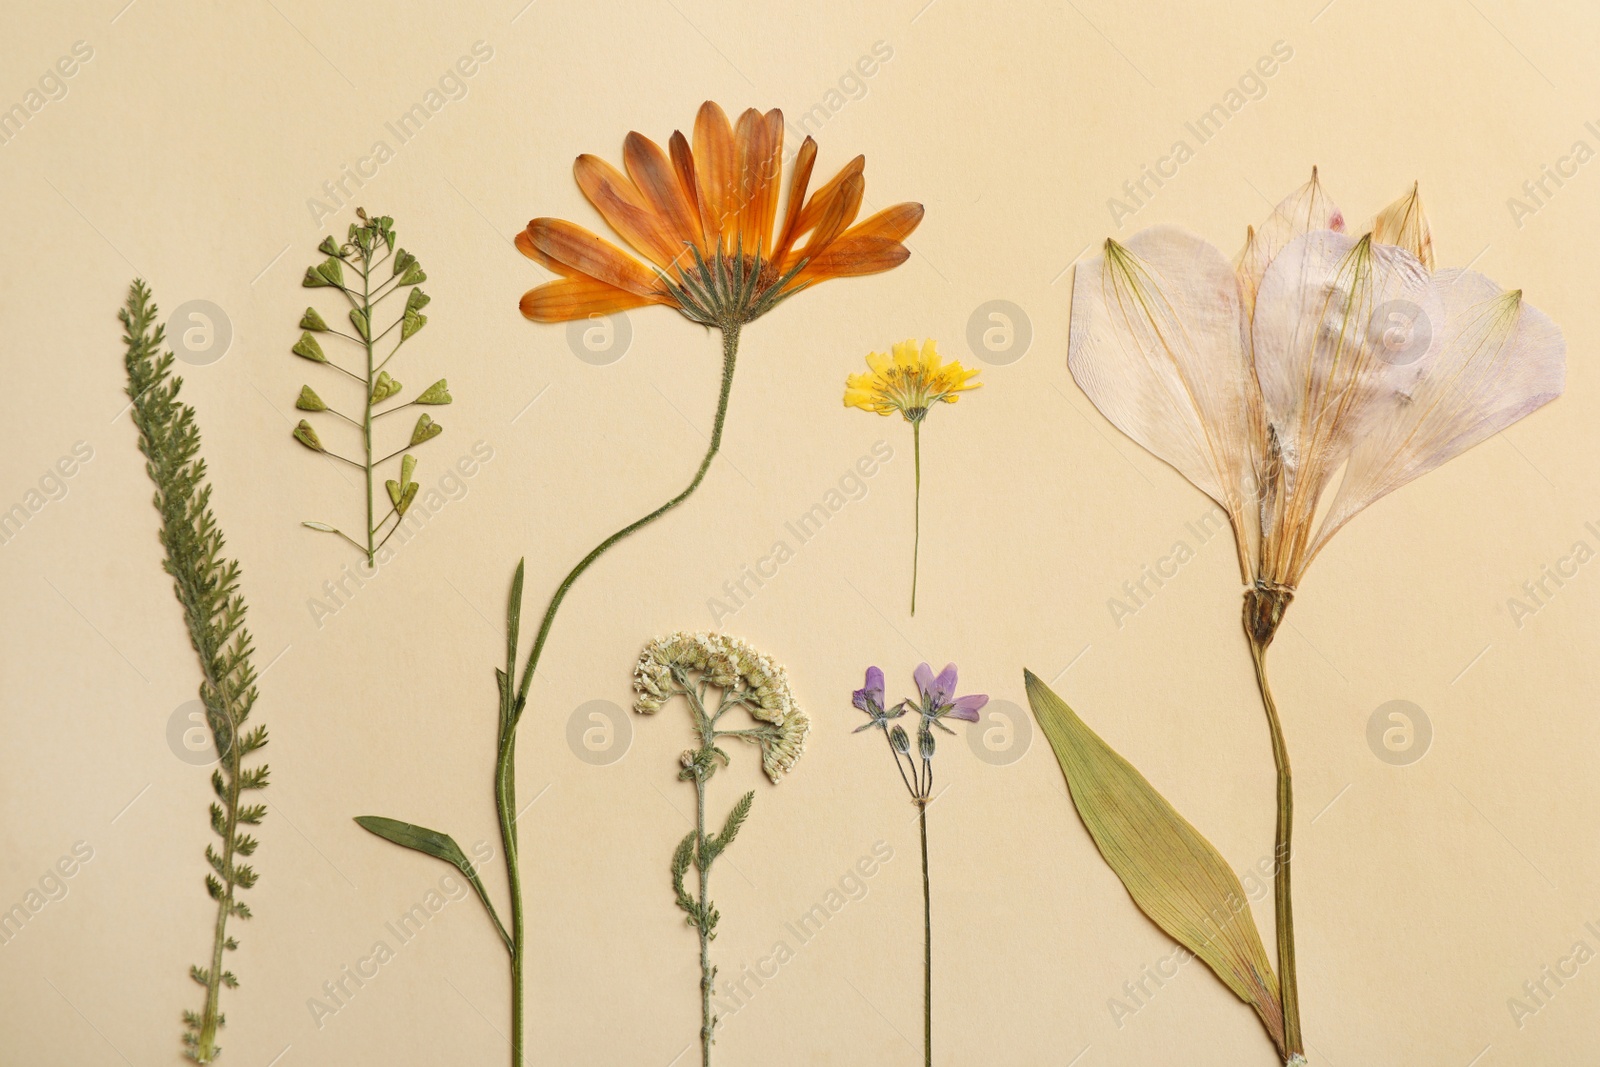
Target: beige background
[{"x": 186, "y": 150}]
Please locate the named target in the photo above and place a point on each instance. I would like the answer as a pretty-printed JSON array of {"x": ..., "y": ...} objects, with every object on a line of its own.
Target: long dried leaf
[{"x": 1171, "y": 871}]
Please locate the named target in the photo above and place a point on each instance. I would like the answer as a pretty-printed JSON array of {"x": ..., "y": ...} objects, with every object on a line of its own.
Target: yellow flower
[{"x": 908, "y": 381}]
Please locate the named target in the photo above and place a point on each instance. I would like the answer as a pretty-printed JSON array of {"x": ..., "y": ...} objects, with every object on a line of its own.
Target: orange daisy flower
[{"x": 703, "y": 219}]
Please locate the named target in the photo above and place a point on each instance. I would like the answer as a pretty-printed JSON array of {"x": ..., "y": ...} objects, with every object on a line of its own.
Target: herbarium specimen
[
  {"x": 936, "y": 701},
  {"x": 207, "y": 585},
  {"x": 704, "y": 218},
  {"x": 352, "y": 269},
  {"x": 911, "y": 382},
  {"x": 1295, "y": 386},
  {"x": 715, "y": 674}
]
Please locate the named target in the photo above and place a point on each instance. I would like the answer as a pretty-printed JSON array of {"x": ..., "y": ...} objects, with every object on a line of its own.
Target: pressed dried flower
[
  {"x": 1297, "y": 385},
  {"x": 705, "y": 219},
  {"x": 936, "y": 701},
  {"x": 911, "y": 381},
  {"x": 691, "y": 666}
]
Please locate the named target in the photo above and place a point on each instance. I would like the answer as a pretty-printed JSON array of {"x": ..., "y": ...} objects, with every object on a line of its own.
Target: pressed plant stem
[
  {"x": 927, "y": 940},
  {"x": 706, "y": 1022},
  {"x": 505, "y": 802},
  {"x": 730, "y": 353},
  {"x": 916, "y": 507},
  {"x": 366, "y": 401},
  {"x": 1288, "y": 984},
  {"x": 505, "y": 787},
  {"x": 206, "y": 1049}
]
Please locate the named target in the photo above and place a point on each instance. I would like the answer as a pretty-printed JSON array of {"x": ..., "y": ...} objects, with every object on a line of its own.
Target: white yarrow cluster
[{"x": 731, "y": 665}]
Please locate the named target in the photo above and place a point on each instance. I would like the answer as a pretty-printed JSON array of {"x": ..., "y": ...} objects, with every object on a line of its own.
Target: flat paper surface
[{"x": 192, "y": 148}]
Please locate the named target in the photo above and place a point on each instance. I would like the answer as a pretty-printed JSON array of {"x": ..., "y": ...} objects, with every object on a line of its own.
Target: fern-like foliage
[{"x": 207, "y": 586}]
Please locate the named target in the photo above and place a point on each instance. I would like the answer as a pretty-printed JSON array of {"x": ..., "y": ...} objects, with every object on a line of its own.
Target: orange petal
[
  {"x": 804, "y": 160},
  {"x": 524, "y": 244},
  {"x": 625, "y": 208},
  {"x": 714, "y": 165},
  {"x": 587, "y": 253},
  {"x": 854, "y": 254},
  {"x": 683, "y": 164},
  {"x": 896, "y": 223},
  {"x": 657, "y": 182},
  {"x": 759, "y": 150},
  {"x": 838, "y": 213},
  {"x": 578, "y": 298},
  {"x": 818, "y": 204}
]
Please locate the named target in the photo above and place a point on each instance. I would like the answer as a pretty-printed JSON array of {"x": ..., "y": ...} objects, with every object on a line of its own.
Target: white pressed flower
[
  {"x": 743, "y": 674},
  {"x": 1312, "y": 376},
  {"x": 1299, "y": 384}
]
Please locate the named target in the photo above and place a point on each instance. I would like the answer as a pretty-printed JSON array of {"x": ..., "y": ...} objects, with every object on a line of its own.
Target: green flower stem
[
  {"x": 916, "y": 510},
  {"x": 505, "y": 798},
  {"x": 1288, "y": 984},
  {"x": 927, "y": 940},
  {"x": 505, "y": 786},
  {"x": 730, "y": 352}
]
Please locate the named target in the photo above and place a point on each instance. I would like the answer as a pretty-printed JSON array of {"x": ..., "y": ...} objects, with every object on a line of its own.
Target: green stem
[
  {"x": 505, "y": 801},
  {"x": 505, "y": 764},
  {"x": 707, "y": 1024},
  {"x": 916, "y": 520},
  {"x": 730, "y": 352},
  {"x": 206, "y": 1049},
  {"x": 927, "y": 940},
  {"x": 1288, "y": 984},
  {"x": 366, "y": 401}
]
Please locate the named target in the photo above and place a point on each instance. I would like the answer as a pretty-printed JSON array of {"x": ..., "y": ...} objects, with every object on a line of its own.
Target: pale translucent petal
[
  {"x": 1306, "y": 209},
  {"x": 1492, "y": 359},
  {"x": 1324, "y": 340},
  {"x": 1404, "y": 223},
  {"x": 1156, "y": 345}
]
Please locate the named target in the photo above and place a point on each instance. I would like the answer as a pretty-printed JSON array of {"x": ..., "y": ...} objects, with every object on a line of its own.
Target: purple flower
[
  {"x": 939, "y": 700},
  {"x": 869, "y": 698}
]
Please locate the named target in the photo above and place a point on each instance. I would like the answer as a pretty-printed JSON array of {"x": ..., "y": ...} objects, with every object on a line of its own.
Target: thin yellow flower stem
[
  {"x": 1288, "y": 983},
  {"x": 916, "y": 513}
]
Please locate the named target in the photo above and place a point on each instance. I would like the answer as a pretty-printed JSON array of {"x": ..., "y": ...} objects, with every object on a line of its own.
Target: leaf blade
[{"x": 1171, "y": 871}]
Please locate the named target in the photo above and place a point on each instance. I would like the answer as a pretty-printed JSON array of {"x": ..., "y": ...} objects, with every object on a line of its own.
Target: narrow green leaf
[
  {"x": 1173, "y": 873},
  {"x": 322, "y": 526},
  {"x": 435, "y": 844}
]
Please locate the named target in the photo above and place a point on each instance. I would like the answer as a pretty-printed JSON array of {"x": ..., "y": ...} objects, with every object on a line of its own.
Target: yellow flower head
[{"x": 908, "y": 381}]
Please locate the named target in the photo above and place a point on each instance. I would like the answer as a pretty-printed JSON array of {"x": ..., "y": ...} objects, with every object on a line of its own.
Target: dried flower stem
[
  {"x": 371, "y": 243},
  {"x": 927, "y": 940},
  {"x": 207, "y": 585},
  {"x": 916, "y": 506},
  {"x": 505, "y": 765},
  {"x": 1264, "y": 607}
]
